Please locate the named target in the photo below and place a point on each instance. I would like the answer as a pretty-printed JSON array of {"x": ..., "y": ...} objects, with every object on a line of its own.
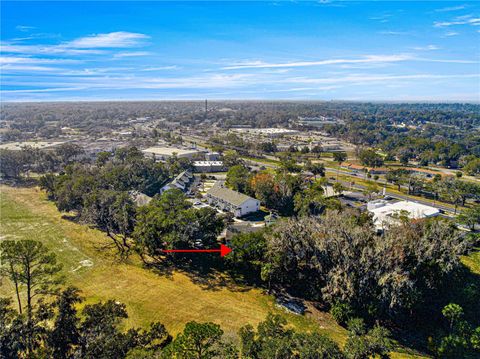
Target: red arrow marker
[{"x": 223, "y": 250}]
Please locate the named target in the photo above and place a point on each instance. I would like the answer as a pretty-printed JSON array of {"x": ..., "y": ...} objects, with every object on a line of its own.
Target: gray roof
[
  {"x": 230, "y": 196},
  {"x": 182, "y": 179},
  {"x": 139, "y": 198}
]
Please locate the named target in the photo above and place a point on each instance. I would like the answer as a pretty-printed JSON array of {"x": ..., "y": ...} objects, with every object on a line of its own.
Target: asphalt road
[
  {"x": 360, "y": 187},
  {"x": 406, "y": 198}
]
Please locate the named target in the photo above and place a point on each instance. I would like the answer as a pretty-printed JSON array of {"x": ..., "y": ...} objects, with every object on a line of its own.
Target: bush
[{"x": 341, "y": 312}]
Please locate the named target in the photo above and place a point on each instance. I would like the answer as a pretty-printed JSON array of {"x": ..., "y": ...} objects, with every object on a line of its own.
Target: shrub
[{"x": 341, "y": 312}]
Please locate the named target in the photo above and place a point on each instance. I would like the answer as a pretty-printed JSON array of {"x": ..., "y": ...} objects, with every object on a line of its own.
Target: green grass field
[
  {"x": 473, "y": 261},
  {"x": 171, "y": 299}
]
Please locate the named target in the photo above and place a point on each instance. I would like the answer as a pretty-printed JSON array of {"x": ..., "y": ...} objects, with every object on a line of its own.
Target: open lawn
[
  {"x": 472, "y": 261},
  {"x": 171, "y": 299}
]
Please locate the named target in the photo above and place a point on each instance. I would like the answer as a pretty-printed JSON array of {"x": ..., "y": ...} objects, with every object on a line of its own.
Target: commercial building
[
  {"x": 163, "y": 153},
  {"x": 41, "y": 145},
  {"x": 212, "y": 156},
  {"x": 208, "y": 166},
  {"x": 269, "y": 132},
  {"x": 385, "y": 213},
  {"x": 232, "y": 201}
]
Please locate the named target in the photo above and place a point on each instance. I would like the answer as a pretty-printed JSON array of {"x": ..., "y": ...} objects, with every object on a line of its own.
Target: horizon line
[{"x": 474, "y": 102}]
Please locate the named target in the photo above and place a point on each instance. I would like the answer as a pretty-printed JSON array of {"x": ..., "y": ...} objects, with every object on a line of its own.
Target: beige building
[{"x": 162, "y": 153}]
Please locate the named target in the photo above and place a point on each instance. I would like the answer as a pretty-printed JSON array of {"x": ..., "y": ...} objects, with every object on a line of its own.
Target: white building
[
  {"x": 212, "y": 156},
  {"x": 208, "y": 166},
  {"x": 162, "y": 153},
  {"x": 181, "y": 182},
  {"x": 232, "y": 201},
  {"x": 269, "y": 132},
  {"x": 385, "y": 213},
  {"x": 41, "y": 145}
]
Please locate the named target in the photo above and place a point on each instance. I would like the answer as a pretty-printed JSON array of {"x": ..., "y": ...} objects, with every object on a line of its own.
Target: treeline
[
  {"x": 446, "y": 189},
  {"x": 18, "y": 164},
  {"x": 285, "y": 191},
  {"x": 103, "y": 194},
  {"x": 428, "y": 144},
  {"x": 327, "y": 254},
  {"x": 125, "y": 170},
  {"x": 47, "y": 119},
  {"x": 339, "y": 259},
  {"x": 47, "y": 323},
  {"x": 403, "y": 277}
]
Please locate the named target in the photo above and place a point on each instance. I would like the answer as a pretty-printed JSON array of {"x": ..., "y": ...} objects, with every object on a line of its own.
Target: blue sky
[{"x": 324, "y": 50}]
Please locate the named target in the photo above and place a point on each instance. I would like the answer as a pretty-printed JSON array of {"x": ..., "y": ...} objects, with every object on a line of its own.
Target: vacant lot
[{"x": 172, "y": 299}]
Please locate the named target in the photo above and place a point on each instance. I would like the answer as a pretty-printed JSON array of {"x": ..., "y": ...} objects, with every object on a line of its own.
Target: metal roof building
[
  {"x": 161, "y": 153},
  {"x": 208, "y": 166},
  {"x": 385, "y": 213}
]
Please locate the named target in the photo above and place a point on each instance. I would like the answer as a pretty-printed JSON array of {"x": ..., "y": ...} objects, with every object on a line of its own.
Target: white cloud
[
  {"x": 232, "y": 81},
  {"x": 449, "y": 61},
  {"x": 35, "y": 36},
  {"x": 459, "y": 20},
  {"x": 364, "y": 59},
  {"x": 24, "y": 28},
  {"x": 117, "y": 39},
  {"x": 426, "y": 48},
  {"x": 47, "y": 50},
  {"x": 452, "y": 8},
  {"x": 59, "y": 89},
  {"x": 235, "y": 84},
  {"x": 452, "y": 33},
  {"x": 362, "y": 78},
  {"x": 160, "y": 68},
  {"x": 89, "y": 45},
  {"x": 27, "y": 68},
  {"x": 399, "y": 33},
  {"x": 381, "y": 18},
  {"x": 131, "y": 54},
  {"x": 35, "y": 60}
]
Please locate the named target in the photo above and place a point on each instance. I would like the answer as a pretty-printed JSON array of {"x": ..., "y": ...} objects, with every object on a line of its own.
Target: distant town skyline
[{"x": 324, "y": 50}]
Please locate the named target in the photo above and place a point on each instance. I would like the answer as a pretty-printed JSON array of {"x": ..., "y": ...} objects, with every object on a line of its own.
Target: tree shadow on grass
[
  {"x": 23, "y": 182},
  {"x": 71, "y": 217},
  {"x": 208, "y": 271},
  {"x": 211, "y": 273}
]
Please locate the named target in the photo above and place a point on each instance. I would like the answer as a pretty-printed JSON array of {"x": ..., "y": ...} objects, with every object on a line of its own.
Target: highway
[
  {"x": 361, "y": 187},
  {"x": 348, "y": 185}
]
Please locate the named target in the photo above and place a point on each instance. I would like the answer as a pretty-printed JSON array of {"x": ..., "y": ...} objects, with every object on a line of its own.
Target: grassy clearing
[
  {"x": 173, "y": 300},
  {"x": 472, "y": 261},
  {"x": 267, "y": 161}
]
